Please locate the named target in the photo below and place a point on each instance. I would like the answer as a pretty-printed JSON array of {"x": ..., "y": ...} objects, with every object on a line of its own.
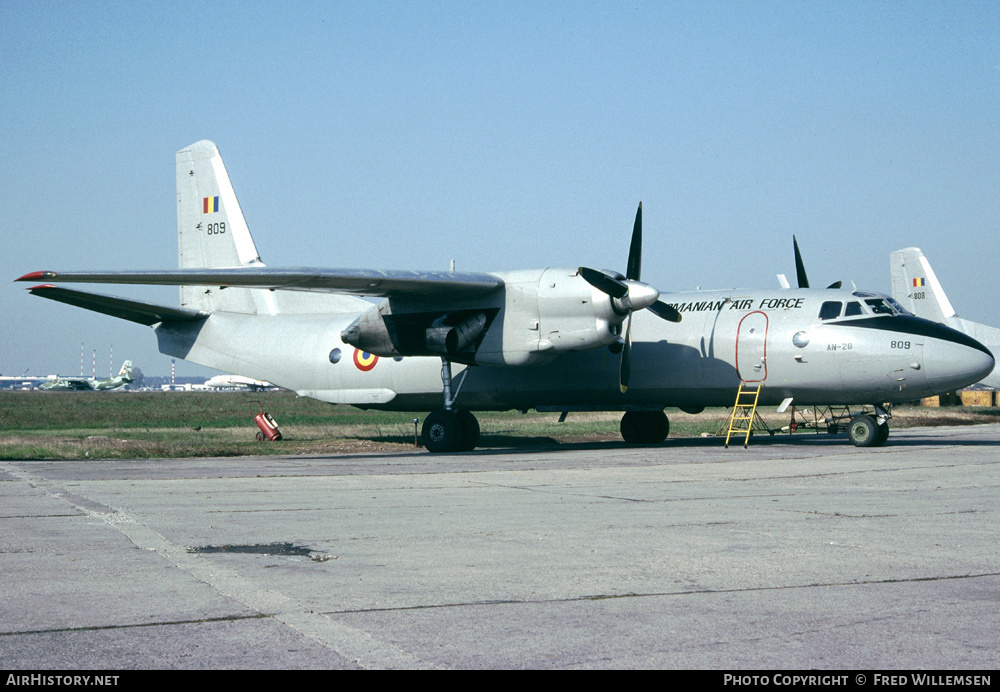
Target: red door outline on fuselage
[{"x": 755, "y": 346}]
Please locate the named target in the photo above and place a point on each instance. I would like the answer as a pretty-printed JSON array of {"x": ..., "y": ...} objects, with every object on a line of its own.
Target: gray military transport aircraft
[{"x": 549, "y": 339}]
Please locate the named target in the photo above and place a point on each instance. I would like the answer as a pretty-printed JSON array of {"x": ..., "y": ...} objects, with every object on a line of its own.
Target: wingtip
[{"x": 36, "y": 276}]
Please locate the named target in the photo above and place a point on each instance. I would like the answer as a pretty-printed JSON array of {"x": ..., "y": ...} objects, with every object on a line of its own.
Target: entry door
[{"x": 751, "y": 347}]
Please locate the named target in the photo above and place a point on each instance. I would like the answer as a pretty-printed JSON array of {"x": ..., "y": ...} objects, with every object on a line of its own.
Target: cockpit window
[
  {"x": 878, "y": 303},
  {"x": 830, "y": 310},
  {"x": 898, "y": 308},
  {"x": 880, "y": 306}
]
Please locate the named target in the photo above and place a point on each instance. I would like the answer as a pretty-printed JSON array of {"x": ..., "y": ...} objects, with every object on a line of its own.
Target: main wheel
[
  {"x": 864, "y": 431},
  {"x": 883, "y": 434},
  {"x": 442, "y": 431},
  {"x": 644, "y": 427},
  {"x": 470, "y": 431}
]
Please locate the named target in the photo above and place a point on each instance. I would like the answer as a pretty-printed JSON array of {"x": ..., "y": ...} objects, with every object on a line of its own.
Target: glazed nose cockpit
[
  {"x": 953, "y": 359},
  {"x": 929, "y": 357}
]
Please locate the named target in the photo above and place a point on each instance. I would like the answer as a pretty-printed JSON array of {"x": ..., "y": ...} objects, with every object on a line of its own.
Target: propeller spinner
[{"x": 629, "y": 294}]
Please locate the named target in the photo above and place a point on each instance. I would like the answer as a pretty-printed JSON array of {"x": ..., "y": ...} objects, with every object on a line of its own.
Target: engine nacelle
[
  {"x": 536, "y": 316},
  {"x": 573, "y": 315},
  {"x": 382, "y": 332},
  {"x": 370, "y": 333},
  {"x": 547, "y": 312}
]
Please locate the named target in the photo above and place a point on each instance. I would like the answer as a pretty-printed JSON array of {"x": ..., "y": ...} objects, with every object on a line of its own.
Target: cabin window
[
  {"x": 853, "y": 308},
  {"x": 830, "y": 310}
]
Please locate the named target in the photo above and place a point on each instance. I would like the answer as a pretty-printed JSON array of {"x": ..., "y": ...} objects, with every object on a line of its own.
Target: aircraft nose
[{"x": 956, "y": 362}]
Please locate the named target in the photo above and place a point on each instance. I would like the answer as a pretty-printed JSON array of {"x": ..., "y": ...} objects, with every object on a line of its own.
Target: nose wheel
[{"x": 869, "y": 431}]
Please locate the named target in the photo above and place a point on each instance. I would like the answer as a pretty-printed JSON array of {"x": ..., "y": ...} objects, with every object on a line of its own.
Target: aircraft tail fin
[
  {"x": 211, "y": 230},
  {"x": 126, "y": 371},
  {"x": 916, "y": 287}
]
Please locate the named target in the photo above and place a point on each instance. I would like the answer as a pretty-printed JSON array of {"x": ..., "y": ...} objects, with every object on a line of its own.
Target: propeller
[
  {"x": 800, "y": 269},
  {"x": 629, "y": 294}
]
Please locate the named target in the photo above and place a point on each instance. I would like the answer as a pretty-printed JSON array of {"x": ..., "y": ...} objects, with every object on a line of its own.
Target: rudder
[{"x": 916, "y": 286}]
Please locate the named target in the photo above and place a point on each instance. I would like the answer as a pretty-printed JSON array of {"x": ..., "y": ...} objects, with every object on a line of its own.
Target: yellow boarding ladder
[{"x": 744, "y": 411}]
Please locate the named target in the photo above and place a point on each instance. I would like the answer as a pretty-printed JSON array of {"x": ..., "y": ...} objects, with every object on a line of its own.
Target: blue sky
[{"x": 502, "y": 135}]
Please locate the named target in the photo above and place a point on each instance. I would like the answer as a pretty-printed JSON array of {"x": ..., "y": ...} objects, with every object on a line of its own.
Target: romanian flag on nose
[
  {"x": 916, "y": 282},
  {"x": 210, "y": 205}
]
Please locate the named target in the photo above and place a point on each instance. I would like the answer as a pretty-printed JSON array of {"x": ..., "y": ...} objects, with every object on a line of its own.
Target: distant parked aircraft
[
  {"x": 65, "y": 384},
  {"x": 238, "y": 382}
]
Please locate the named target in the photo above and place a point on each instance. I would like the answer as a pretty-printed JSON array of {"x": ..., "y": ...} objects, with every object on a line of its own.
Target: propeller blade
[
  {"x": 629, "y": 294},
  {"x": 800, "y": 268},
  {"x": 626, "y": 366},
  {"x": 635, "y": 248},
  {"x": 603, "y": 282},
  {"x": 661, "y": 309}
]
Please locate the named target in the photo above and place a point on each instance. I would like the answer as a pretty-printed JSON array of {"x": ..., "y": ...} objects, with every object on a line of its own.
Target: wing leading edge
[{"x": 361, "y": 282}]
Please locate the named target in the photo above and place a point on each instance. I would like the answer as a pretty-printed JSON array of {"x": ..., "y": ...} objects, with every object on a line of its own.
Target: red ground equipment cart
[{"x": 268, "y": 426}]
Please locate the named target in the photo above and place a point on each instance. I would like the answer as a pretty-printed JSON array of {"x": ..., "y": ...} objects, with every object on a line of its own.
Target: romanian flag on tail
[
  {"x": 916, "y": 282},
  {"x": 210, "y": 205}
]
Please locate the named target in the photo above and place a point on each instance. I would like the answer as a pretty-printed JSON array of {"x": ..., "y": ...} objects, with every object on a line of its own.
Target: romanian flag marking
[
  {"x": 364, "y": 361},
  {"x": 210, "y": 205},
  {"x": 918, "y": 282}
]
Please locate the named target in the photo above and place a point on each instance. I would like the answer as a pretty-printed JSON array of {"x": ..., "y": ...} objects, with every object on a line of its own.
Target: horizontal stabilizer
[
  {"x": 362, "y": 282},
  {"x": 131, "y": 310}
]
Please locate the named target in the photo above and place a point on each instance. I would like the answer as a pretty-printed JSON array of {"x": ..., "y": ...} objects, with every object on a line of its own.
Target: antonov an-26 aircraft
[{"x": 551, "y": 339}]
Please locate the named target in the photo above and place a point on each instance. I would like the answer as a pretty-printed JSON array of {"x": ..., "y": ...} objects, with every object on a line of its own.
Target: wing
[
  {"x": 362, "y": 282},
  {"x": 76, "y": 382},
  {"x": 132, "y": 310}
]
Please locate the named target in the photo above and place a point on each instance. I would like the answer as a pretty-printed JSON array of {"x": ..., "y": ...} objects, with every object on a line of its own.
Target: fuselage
[{"x": 818, "y": 347}]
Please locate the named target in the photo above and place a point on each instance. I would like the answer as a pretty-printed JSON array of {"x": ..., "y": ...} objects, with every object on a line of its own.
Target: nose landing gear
[{"x": 868, "y": 430}]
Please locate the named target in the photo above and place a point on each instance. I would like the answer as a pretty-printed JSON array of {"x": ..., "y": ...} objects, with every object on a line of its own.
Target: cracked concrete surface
[{"x": 794, "y": 553}]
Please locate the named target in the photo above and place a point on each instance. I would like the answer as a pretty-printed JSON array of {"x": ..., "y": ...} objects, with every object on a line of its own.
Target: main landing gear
[
  {"x": 450, "y": 429},
  {"x": 645, "y": 427}
]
